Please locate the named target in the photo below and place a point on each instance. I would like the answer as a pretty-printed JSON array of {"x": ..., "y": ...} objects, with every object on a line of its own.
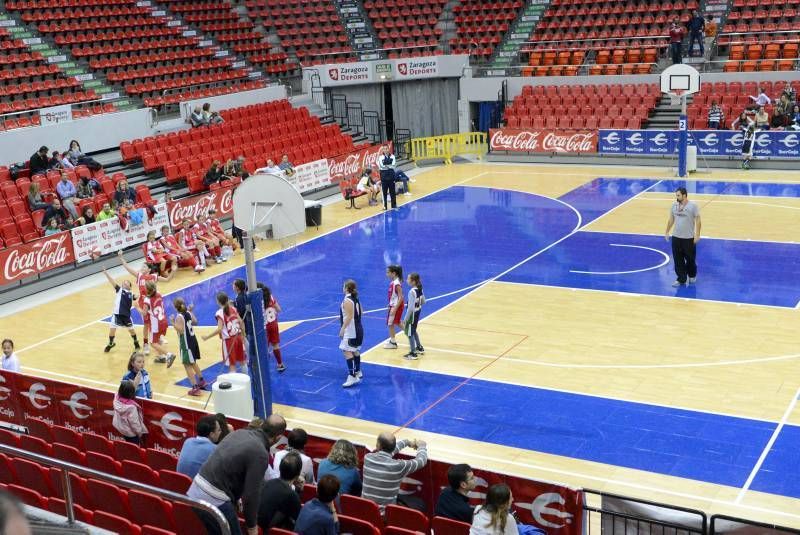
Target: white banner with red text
[
  {"x": 542, "y": 140},
  {"x": 108, "y": 236},
  {"x": 29, "y": 259}
]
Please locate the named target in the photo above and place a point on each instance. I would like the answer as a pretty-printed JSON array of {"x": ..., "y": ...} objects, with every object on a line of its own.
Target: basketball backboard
[
  {"x": 268, "y": 202},
  {"x": 680, "y": 79}
]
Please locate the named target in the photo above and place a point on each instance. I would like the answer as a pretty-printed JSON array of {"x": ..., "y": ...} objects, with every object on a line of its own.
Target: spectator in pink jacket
[{"x": 128, "y": 418}]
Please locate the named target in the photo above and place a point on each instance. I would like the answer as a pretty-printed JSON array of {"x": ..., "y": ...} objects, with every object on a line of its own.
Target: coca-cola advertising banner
[
  {"x": 44, "y": 254},
  {"x": 107, "y": 236},
  {"x": 189, "y": 207},
  {"x": 543, "y": 140},
  {"x": 348, "y": 165},
  {"x": 310, "y": 176}
]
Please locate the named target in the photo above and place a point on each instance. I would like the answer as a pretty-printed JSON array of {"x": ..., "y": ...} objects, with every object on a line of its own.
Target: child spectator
[
  {"x": 139, "y": 376},
  {"x": 52, "y": 227},
  {"x": 128, "y": 419},
  {"x": 106, "y": 212},
  {"x": 286, "y": 166},
  {"x": 10, "y": 362},
  {"x": 370, "y": 184},
  {"x": 716, "y": 117},
  {"x": 196, "y": 118}
]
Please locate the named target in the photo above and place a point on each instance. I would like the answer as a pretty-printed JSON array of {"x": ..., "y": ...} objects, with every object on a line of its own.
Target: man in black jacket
[
  {"x": 39, "y": 163},
  {"x": 697, "y": 26},
  {"x": 236, "y": 471},
  {"x": 453, "y": 502}
]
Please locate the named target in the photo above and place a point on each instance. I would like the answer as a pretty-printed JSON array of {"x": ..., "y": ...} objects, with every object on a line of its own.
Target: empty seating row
[
  {"x": 756, "y": 51},
  {"x": 488, "y": 27},
  {"x": 762, "y": 65}
]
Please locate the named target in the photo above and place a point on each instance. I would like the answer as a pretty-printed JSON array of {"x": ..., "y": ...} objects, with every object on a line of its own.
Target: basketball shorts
[
  {"x": 344, "y": 345},
  {"x": 122, "y": 321},
  {"x": 398, "y": 317},
  {"x": 233, "y": 351},
  {"x": 187, "y": 355},
  {"x": 273, "y": 333},
  {"x": 157, "y": 332}
]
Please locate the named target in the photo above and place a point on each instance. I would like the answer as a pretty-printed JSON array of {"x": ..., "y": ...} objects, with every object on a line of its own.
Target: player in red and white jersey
[
  {"x": 271, "y": 310},
  {"x": 155, "y": 254},
  {"x": 216, "y": 229},
  {"x": 394, "y": 318},
  {"x": 188, "y": 240},
  {"x": 154, "y": 307},
  {"x": 203, "y": 232},
  {"x": 230, "y": 328},
  {"x": 185, "y": 258},
  {"x": 143, "y": 276}
]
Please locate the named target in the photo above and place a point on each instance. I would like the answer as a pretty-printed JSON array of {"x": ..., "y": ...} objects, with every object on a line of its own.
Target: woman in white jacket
[
  {"x": 128, "y": 418},
  {"x": 494, "y": 517}
]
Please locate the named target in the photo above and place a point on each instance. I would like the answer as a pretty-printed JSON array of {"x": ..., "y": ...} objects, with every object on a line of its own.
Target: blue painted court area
[{"x": 458, "y": 239}]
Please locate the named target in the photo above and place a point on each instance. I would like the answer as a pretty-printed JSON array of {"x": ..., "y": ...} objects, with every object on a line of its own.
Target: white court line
[
  {"x": 233, "y": 268},
  {"x": 458, "y": 455},
  {"x": 633, "y": 294},
  {"x": 768, "y": 447},
  {"x": 754, "y": 203},
  {"x": 663, "y": 263},
  {"x": 703, "y": 238}
]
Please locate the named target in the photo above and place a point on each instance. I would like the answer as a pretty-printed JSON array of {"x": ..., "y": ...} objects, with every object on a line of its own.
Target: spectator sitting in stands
[
  {"x": 795, "y": 118},
  {"x": 270, "y": 168},
  {"x": 123, "y": 193},
  {"x": 453, "y": 501},
  {"x": 494, "y": 517},
  {"x": 9, "y": 361},
  {"x": 240, "y": 170},
  {"x": 88, "y": 215},
  {"x": 54, "y": 211},
  {"x": 280, "y": 499},
  {"x": 761, "y": 100},
  {"x": 77, "y": 157},
  {"x": 67, "y": 192},
  {"x": 789, "y": 91},
  {"x": 370, "y": 184},
  {"x": 197, "y": 118},
  {"x": 197, "y": 449},
  {"x": 39, "y": 163},
  {"x": 52, "y": 227},
  {"x": 741, "y": 122},
  {"x": 211, "y": 117},
  {"x": 781, "y": 112},
  {"x": 65, "y": 162},
  {"x": 762, "y": 119},
  {"x": 35, "y": 201},
  {"x": 213, "y": 175},
  {"x": 85, "y": 189},
  {"x": 297, "y": 443},
  {"x": 318, "y": 516},
  {"x": 716, "y": 117},
  {"x": 106, "y": 212},
  {"x": 229, "y": 170},
  {"x": 383, "y": 473},
  {"x": 697, "y": 26},
  {"x": 55, "y": 161},
  {"x": 286, "y": 166},
  {"x": 342, "y": 462}
]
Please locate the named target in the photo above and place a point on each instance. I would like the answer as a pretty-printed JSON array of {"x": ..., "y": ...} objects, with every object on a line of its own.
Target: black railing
[
  {"x": 339, "y": 108},
  {"x": 402, "y": 148},
  {"x": 621, "y": 515},
  {"x": 721, "y": 524},
  {"x": 355, "y": 117}
]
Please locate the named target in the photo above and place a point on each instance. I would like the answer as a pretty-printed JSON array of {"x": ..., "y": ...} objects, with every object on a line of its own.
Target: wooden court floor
[{"x": 732, "y": 359}]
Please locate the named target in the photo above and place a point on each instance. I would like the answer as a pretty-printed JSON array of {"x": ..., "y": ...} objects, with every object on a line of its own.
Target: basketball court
[{"x": 556, "y": 347}]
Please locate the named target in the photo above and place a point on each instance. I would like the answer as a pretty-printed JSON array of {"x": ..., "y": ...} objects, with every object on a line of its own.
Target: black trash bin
[{"x": 314, "y": 215}]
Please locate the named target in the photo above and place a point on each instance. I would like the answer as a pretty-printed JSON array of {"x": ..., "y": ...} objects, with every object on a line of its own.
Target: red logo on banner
[
  {"x": 37, "y": 256},
  {"x": 347, "y": 165},
  {"x": 221, "y": 200},
  {"x": 333, "y": 73},
  {"x": 514, "y": 140},
  {"x": 402, "y": 68}
]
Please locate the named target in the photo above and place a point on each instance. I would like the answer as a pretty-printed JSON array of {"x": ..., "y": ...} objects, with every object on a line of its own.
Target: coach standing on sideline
[
  {"x": 386, "y": 165},
  {"x": 684, "y": 220}
]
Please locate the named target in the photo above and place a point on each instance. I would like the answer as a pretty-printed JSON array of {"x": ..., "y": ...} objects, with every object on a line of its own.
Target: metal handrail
[
  {"x": 632, "y": 37},
  {"x": 4, "y": 116},
  {"x": 67, "y": 468},
  {"x": 360, "y": 52}
]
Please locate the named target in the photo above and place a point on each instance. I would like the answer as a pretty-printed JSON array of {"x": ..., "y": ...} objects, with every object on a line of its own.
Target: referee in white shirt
[{"x": 684, "y": 221}]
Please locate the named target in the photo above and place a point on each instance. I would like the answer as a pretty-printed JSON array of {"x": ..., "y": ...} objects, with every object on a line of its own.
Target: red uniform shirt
[
  {"x": 186, "y": 239},
  {"x": 676, "y": 34},
  {"x": 141, "y": 280},
  {"x": 170, "y": 244},
  {"x": 158, "y": 316},
  {"x": 153, "y": 251},
  {"x": 215, "y": 226},
  {"x": 230, "y": 322}
]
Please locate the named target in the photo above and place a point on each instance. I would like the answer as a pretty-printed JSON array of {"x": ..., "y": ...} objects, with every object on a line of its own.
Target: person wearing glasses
[{"x": 453, "y": 502}]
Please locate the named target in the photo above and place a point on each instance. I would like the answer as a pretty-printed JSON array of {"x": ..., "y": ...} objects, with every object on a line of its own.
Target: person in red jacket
[{"x": 676, "y": 34}]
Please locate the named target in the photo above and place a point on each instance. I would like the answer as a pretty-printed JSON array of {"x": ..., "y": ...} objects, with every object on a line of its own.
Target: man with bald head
[
  {"x": 383, "y": 473},
  {"x": 235, "y": 471}
]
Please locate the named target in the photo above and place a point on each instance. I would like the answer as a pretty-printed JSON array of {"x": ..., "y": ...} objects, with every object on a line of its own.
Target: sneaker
[
  {"x": 202, "y": 384},
  {"x": 196, "y": 391},
  {"x": 218, "y": 259},
  {"x": 359, "y": 374},
  {"x": 146, "y": 349},
  {"x": 692, "y": 280},
  {"x": 411, "y": 356},
  {"x": 677, "y": 283},
  {"x": 198, "y": 268},
  {"x": 390, "y": 345},
  {"x": 420, "y": 350},
  {"x": 281, "y": 368},
  {"x": 351, "y": 380},
  {"x": 136, "y": 346},
  {"x": 109, "y": 346},
  {"x": 170, "y": 360},
  {"x": 161, "y": 359},
  {"x": 224, "y": 258}
]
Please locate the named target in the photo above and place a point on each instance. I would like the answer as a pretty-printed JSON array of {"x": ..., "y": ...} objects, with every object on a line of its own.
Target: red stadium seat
[
  {"x": 103, "y": 463},
  {"x": 357, "y": 526},
  {"x": 140, "y": 472},
  {"x": 32, "y": 475},
  {"x": 174, "y": 481},
  {"x": 446, "y": 526},
  {"x": 98, "y": 444},
  {"x": 65, "y": 435},
  {"x": 403, "y": 517},
  {"x": 28, "y": 496},
  {"x": 186, "y": 520},
  {"x": 366, "y": 510},
  {"x": 115, "y": 523},
  {"x": 109, "y": 498},
  {"x": 128, "y": 451},
  {"x": 150, "y": 509}
]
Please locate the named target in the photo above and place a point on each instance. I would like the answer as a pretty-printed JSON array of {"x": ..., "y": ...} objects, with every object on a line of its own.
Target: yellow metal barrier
[{"x": 445, "y": 147}]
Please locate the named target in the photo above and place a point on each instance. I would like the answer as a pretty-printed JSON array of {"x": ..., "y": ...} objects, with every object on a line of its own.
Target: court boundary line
[
  {"x": 770, "y": 443},
  {"x": 628, "y": 272},
  {"x": 634, "y": 294},
  {"x": 470, "y": 453},
  {"x": 233, "y": 268},
  {"x": 717, "y": 238}
]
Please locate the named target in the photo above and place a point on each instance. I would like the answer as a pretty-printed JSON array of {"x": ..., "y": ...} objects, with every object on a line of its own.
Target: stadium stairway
[
  {"x": 63, "y": 59},
  {"x": 447, "y": 23},
  {"x": 358, "y": 26},
  {"x": 507, "y": 52}
]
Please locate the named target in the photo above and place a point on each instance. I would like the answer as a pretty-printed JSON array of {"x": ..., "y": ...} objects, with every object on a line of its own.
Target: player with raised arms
[
  {"x": 143, "y": 276},
  {"x": 122, "y": 312}
]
